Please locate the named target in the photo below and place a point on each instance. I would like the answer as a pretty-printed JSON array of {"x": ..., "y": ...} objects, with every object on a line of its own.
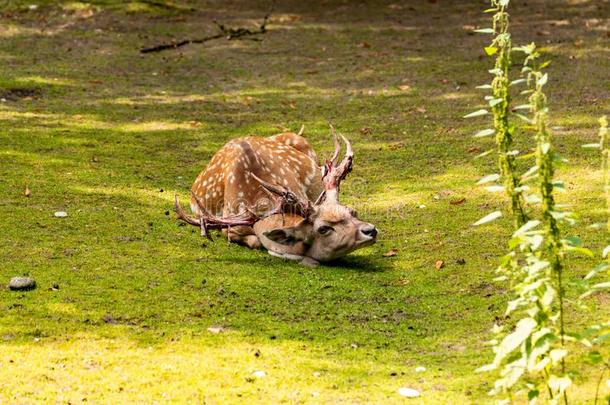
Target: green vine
[{"x": 531, "y": 357}]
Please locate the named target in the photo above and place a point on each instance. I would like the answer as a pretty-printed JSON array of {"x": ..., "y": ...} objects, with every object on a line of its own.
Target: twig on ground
[{"x": 225, "y": 32}]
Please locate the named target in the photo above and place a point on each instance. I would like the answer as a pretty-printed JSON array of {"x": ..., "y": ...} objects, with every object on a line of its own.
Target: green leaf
[
  {"x": 582, "y": 250},
  {"x": 533, "y": 394},
  {"x": 530, "y": 171},
  {"x": 543, "y": 80},
  {"x": 490, "y": 10},
  {"x": 523, "y": 330},
  {"x": 602, "y": 286},
  {"x": 573, "y": 241},
  {"x": 594, "y": 357},
  {"x": 489, "y": 178},
  {"x": 559, "y": 384},
  {"x": 477, "y": 113},
  {"x": 503, "y": 3},
  {"x": 531, "y": 224},
  {"x": 495, "y": 188},
  {"x": 606, "y": 251},
  {"x": 485, "y": 31},
  {"x": 494, "y": 101},
  {"x": 487, "y": 152},
  {"x": 544, "y": 64},
  {"x": 596, "y": 270},
  {"x": 485, "y": 132},
  {"x": 488, "y": 218},
  {"x": 592, "y": 146},
  {"x": 557, "y": 354},
  {"x": 484, "y": 86},
  {"x": 523, "y": 107},
  {"x": 490, "y": 50},
  {"x": 523, "y": 117},
  {"x": 517, "y": 81},
  {"x": 496, "y": 71}
]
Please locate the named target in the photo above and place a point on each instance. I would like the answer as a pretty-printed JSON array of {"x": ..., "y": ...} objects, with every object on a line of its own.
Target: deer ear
[
  {"x": 284, "y": 236},
  {"x": 290, "y": 234}
]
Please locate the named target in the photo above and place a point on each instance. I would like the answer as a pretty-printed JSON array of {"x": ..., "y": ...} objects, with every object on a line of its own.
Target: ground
[{"x": 126, "y": 297}]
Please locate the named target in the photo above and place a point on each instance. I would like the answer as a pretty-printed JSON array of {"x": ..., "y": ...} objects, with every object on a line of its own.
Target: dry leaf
[
  {"x": 402, "y": 281},
  {"x": 439, "y": 264},
  {"x": 421, "y": 110},
  {"x": 364, "y": 44},
  {"x": 474, "y": 149},
  {"x": 390, "y": 253},
  {"x": 27, "y": 191},
  {"x": 404, "y": 87},
  {"x": 458, "y": 202}
]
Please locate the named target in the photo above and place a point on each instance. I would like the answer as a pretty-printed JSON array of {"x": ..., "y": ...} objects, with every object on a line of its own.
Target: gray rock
[{"x": 22, "y": 284}]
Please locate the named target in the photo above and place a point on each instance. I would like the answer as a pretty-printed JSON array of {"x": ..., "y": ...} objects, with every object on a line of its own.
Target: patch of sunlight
[
  {"x": 9, "y": 115},
  {"x": 415, "y": 59},
  {"x": 217, "y": 368},
  {"x": 90, "y": 122},
  {"x": 12, "y": 30},
  {"x": 54, "y": 81},
  {"x": 76, "y": 6},
  {"x": 568, "y": 49},
  {"x": 33, "y": 158},
  {"x": 7, "y": 56},
  {"x": 154, "y": 126},
  {"x": 62, "y": 308},
  {"x": 454, "y": 96},
  {"x": 570, "y": 119},
  {"x": 133, "y": 192},
  {"x": 160, "y": 99},
  {"x": 455, "y": 183}
]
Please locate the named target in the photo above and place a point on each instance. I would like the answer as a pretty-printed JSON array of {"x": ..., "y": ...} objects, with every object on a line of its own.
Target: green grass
[{"x": 108, "y": 135}]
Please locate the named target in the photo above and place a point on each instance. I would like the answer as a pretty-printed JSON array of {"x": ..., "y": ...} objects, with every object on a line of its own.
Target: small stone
[
  {"x": 408, "y": 392},
  {"x": 461, "y": 261},
  {"x": 60, "y": 214},
  {"x": 317, "y": 374},
  {"x": 22, "y": 284},
  {"x": 259, "y": 374},
  {"x": 420, "y": 369}
]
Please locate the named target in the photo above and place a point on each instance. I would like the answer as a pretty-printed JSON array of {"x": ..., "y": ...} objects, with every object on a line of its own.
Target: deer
[{"x": 270, "y": 192}]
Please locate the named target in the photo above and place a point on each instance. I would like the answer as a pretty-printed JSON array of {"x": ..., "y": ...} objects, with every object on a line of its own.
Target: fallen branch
[{"x": 228, "y": 33}]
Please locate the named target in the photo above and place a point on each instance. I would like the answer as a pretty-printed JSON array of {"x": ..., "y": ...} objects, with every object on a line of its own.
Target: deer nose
[{"x": 369, "y": 230}]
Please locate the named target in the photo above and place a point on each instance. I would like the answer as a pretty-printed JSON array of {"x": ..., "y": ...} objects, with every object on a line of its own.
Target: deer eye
[{"x": 323, "y": 230}]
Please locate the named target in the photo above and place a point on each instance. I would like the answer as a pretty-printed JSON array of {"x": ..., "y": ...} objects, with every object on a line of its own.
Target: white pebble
[
  {"x": 259, "y": 374},
  {"x": 420, "y": 369},
  {"x": 422, "y": 206},
  {"x": 408, "y": 392},
  {"x": 60, "y": 214}
]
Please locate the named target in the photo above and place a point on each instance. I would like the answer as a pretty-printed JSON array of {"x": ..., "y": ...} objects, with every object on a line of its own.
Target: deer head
[{"x": 328, "y": 229}]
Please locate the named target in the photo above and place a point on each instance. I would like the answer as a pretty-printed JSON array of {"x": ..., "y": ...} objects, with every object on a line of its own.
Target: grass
[{"x": 96, "y": 129}]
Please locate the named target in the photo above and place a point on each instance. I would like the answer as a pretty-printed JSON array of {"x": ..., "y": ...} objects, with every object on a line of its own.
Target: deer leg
[
  {"x": 309, "y": 262},
  {"x": 243, "y": 235}
]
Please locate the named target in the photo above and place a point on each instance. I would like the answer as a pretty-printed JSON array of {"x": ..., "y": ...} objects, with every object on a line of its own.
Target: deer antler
[
  {"x": 207, "y": 221},
  {"x": 335, "y": 173},
  {"x": 333, "y": 159},
  {"x": 287, "y": 198}
]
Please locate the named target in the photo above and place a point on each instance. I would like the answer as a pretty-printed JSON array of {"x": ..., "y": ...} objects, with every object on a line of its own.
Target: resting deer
[{"x": 271, "y": 193}]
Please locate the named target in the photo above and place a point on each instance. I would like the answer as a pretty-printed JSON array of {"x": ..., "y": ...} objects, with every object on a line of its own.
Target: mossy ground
[{"x": 96, "y": 129}]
